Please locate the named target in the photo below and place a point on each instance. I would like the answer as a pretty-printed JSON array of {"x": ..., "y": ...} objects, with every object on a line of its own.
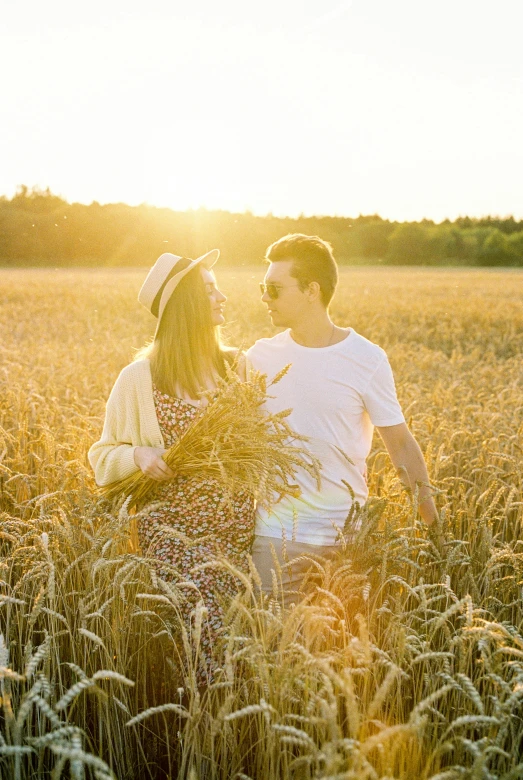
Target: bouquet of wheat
[{"x": 235, "y": 441}]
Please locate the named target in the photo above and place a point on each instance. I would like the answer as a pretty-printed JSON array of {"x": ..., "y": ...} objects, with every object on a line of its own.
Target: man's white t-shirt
[{"x": 337, "y": 395}]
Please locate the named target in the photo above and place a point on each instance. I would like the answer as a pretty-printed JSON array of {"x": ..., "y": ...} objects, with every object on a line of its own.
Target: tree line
[{"x": 39, "y": 228}]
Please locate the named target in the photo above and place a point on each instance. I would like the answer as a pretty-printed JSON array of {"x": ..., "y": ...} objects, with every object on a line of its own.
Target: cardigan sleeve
[{"x": 130, "y": 421}]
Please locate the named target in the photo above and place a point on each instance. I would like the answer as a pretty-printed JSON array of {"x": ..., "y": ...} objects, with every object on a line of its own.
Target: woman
[{"x": 153, "y": 401}]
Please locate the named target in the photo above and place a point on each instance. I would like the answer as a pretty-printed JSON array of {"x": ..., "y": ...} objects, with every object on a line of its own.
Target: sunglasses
[{"x": 273, "y": 290}]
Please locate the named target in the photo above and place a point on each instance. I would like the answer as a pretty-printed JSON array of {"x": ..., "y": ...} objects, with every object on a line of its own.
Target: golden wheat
[{"x": 402, "y": 663}]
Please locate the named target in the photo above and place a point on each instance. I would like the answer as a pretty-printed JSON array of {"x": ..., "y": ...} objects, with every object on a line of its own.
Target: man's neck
[{"x": 316, "y": 332}]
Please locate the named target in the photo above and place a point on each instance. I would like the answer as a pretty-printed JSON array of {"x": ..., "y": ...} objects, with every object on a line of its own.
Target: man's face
[{"x": 290, "y": 304}]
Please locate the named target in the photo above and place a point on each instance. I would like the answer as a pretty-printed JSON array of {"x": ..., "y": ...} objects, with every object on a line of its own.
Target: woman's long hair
[{"x": 186, "y": 352}]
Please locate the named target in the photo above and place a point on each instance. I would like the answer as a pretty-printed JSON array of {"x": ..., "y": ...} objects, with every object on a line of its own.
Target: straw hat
[{"x": 163, "y": 278}]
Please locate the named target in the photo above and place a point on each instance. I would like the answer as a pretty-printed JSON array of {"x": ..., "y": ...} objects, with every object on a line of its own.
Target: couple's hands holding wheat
[
  {"x": 261, "y": 455},
  {"x": 149, "y": 460}
]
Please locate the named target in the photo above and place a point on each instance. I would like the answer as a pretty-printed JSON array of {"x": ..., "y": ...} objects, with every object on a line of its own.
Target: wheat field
[{"x": 404, "y": 663}]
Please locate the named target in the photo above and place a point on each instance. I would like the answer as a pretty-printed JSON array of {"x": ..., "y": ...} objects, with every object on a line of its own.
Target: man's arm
[{"x": 408, "y": 460}]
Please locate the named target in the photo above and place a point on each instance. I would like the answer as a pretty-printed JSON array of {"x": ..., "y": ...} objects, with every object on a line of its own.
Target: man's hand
[{"x": 150, "y": 461}]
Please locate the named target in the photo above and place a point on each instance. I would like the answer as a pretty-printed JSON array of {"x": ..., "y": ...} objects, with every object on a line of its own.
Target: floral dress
[{"x": 208, "y": 525}]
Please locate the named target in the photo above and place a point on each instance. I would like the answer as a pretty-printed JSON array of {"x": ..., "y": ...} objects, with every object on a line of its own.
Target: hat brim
[{"x": 207, "y": 260}]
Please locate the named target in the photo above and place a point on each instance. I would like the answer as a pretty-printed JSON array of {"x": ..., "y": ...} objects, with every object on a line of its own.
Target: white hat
[{"x": 162, "y": 278}]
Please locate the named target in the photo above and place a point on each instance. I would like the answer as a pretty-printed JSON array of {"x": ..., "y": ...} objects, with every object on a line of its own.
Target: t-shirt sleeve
[{"x": 380, "y": 397}]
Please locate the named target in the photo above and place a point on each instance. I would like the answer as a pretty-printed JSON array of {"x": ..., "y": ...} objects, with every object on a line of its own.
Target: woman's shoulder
[
  {"x": 140, "y": 367},
  {"x": 134, "y": 373}
]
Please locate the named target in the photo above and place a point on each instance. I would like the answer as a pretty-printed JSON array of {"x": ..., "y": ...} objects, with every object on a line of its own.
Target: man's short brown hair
[{"x": 313, "y": 261}]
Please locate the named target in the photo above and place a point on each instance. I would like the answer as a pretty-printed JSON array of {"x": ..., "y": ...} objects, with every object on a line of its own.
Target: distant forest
[{"x": 38, "y": 228}]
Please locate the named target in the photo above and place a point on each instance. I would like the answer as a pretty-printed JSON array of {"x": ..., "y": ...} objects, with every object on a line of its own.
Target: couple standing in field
[{"x": 339, "y": 387}]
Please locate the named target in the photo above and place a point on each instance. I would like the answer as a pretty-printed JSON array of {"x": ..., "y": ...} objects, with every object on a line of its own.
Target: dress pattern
[{"x": 208, "y": 524}]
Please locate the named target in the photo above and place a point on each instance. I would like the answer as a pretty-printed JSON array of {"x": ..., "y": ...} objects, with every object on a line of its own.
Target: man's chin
[{"x": 275, "y": 318}]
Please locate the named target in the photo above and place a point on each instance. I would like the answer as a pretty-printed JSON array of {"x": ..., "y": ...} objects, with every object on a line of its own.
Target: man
[{"x": 339, "y": 386}]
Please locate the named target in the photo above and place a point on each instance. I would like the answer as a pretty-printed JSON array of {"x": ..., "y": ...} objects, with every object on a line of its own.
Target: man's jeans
[{"x": 283, "y": 567}]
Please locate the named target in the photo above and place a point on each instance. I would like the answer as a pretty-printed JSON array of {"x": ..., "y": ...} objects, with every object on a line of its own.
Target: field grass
[{"x": 403, "y": 664}]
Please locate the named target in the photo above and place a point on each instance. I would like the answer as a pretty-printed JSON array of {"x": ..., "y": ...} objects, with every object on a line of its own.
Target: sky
[{"x": 407, "y": 109}]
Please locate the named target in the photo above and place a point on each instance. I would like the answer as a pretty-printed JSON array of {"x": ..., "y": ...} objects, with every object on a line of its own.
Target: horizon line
[{"x": 36, "y": 190}]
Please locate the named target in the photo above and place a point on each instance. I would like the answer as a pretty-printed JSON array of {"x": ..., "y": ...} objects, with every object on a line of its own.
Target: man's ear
[{"x": 313, "y": 291}]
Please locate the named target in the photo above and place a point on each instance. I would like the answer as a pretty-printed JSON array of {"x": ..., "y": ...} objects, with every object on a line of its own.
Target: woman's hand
[{"x": 150, "y": 461}]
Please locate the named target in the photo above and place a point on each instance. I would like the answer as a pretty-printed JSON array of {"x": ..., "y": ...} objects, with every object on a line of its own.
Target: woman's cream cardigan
[{"x": 130, "y": 421}]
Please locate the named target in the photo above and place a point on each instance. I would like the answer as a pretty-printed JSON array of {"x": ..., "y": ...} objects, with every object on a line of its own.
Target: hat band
[{"x": 181, "y": 265}]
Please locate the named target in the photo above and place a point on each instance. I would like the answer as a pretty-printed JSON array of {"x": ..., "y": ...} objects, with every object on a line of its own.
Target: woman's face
[{"x": 216, "y": 298}]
